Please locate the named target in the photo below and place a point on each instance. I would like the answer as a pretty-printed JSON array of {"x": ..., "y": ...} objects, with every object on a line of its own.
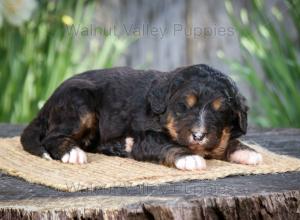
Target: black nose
[{"x": 198, "y": 136}]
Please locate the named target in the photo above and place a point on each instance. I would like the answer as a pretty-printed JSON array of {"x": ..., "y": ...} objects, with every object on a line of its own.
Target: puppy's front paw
[
  {"x": 190, "y": 162},
  {"x": 76, "y": 156},
  {"x": 246, "y": 157}
]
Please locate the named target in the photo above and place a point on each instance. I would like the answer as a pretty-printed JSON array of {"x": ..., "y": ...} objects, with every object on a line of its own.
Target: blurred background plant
[
  {"x": 258, "y": 40},
  {"x": 37, "y": 53},
  {"x": 270, "y": 60}
]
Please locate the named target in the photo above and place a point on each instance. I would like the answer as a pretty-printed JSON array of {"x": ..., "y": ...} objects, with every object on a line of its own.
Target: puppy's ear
[
  {"x": 157, "y": 95},
  {"x": 161, "y": 91},
  {"x": 240, "y": 123}
]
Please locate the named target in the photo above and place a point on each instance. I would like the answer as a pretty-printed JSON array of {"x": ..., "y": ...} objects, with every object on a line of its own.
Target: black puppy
[{"x": 174, "y": 118}]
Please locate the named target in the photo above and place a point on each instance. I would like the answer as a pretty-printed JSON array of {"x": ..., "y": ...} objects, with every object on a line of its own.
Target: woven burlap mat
[{"x": 104, "y": 171}]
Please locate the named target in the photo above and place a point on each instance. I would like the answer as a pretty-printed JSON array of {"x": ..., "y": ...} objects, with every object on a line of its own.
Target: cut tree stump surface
[{"x": 270, "y": 196}]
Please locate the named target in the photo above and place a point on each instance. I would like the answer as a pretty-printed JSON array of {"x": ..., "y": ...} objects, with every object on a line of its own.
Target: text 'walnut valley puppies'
[{"x": 175, "y": 118}]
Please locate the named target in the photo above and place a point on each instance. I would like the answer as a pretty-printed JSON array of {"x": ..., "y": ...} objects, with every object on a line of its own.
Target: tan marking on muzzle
[
  {"x": 216, "y": 153},
  {"x": 198, "y": 150}
]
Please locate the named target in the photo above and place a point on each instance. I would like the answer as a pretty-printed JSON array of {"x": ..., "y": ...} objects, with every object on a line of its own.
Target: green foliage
[
  {"x": 270, "y": 61},
  {"x": 37, "y": 56}
]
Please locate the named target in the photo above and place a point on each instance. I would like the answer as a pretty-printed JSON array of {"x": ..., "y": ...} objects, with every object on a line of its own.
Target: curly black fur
[{"x": 97, "y": 110}]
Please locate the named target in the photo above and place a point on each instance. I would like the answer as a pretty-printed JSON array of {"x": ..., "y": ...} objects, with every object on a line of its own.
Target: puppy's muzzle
[{"x": 198, "y": 136}]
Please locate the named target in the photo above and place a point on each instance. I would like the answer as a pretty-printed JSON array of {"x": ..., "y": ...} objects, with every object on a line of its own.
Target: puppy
[{"x": 178, "y": 118}]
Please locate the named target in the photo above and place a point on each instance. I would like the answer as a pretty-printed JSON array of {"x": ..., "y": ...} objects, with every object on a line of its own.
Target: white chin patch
[
  {"x": 75, "y": 156},
  {"x": 191, "y": 162},
  {"x": 246, "y": 157}
]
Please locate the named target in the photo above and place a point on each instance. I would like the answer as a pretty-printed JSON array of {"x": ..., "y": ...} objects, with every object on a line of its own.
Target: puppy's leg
[
  {"x": 61, "y": 147},
  {"x": 156, "y": 148},
  {"x": 72, "y": 124},
  {"x": 237, "y": 152},
  {"x": 119, "y": 147}
]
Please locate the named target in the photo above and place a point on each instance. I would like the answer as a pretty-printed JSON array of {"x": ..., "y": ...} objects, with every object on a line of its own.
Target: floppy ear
[
  {"x": 240, "y": 122},
  {"x": 161, "y": 91},
  {"x": 157, "y": 95}
]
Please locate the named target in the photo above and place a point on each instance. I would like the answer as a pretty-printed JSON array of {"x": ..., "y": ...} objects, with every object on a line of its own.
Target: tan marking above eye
[
  {"x": 191, "y": 100},
  {"x": 217, "y": 103}
]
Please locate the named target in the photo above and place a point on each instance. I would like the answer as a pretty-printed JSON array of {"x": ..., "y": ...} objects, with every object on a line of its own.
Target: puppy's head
[{"x": 200, "y": 107}]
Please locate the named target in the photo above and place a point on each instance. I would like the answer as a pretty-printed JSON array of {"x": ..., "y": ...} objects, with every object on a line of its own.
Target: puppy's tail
[{"x": 32, "y": 136}]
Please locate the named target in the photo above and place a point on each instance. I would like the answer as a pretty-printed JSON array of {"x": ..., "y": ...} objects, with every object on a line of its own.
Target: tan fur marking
[
  {"x": 217, "y": 103},
  {"x": 171, "y": 127},
  {"x": 198, "y": 150},
  {"x": 218, "y": 152},
  {"x": 88, "y": 120},
  {"x": 172, "y": 154},
  {"x": 191, "y": 100}
]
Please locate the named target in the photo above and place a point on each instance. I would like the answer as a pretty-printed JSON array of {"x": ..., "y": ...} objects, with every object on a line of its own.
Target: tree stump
[{"x": 271, "y": 196}]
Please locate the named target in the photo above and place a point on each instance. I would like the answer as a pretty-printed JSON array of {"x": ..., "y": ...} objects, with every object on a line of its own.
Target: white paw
[
  {"x": 46, "y": 156},
  {"x": 191, "y": 162},
  {"x": 246, "y": 157},
  {"x": 76, "y": 155}
]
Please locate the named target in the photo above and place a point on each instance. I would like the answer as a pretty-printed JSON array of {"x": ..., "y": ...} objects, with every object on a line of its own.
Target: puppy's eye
[{"x": 180, "y": 108}]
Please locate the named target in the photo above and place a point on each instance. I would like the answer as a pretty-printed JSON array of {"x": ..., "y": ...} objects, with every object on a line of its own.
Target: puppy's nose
[{"x": 198, "y": 136}]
